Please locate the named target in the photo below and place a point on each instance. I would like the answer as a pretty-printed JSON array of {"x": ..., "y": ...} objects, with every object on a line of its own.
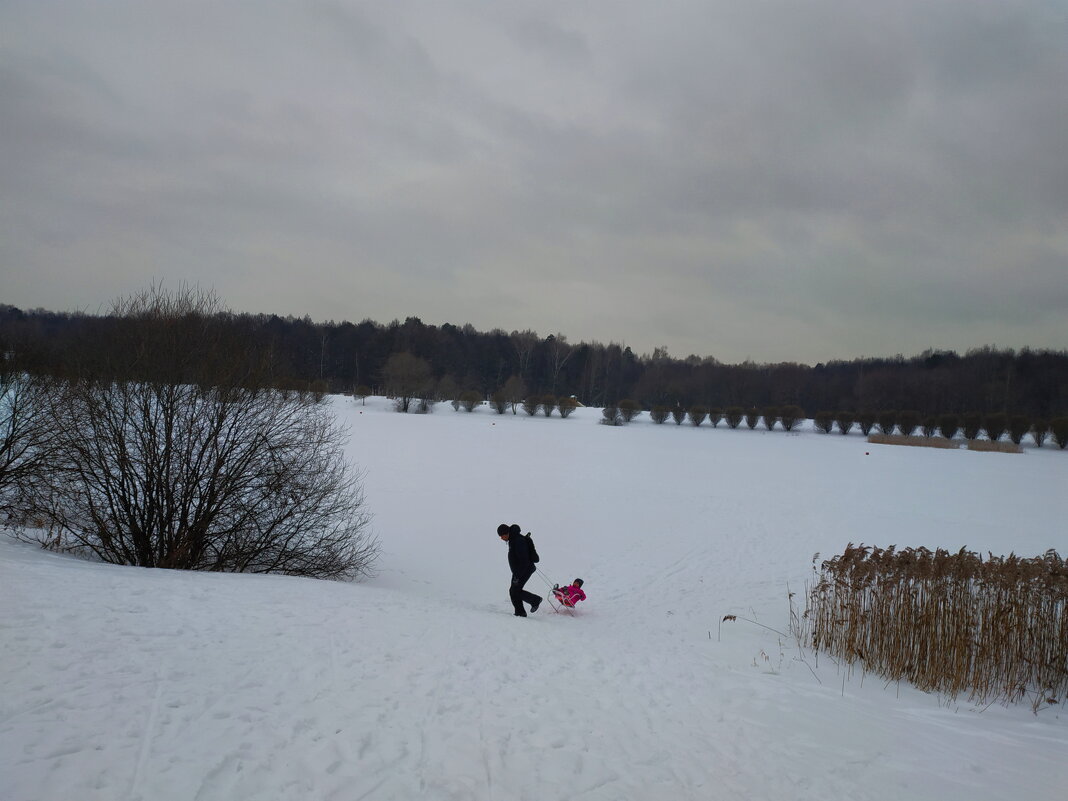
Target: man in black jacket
[{"x": 521, "y": 559}]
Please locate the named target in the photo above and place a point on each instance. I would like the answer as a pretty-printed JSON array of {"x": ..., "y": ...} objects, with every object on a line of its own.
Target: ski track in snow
[{"x": 124, "y": 683}]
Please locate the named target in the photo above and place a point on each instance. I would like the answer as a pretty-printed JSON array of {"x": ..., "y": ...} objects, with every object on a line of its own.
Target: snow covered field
[{"x": 125, "y": 683}]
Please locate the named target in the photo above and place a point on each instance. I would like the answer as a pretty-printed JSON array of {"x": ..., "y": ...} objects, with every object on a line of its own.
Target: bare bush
[
  {"x": 908, "y": 420},
  {"x": 1059, "y": 431},
  {"x": 845, "y": 422},
  {"x": 531, "y": 404},
  {"x": 426, "y": 401},
  {"x": 971, "y": 424},
  {"x": 790, "y": 416},
  {"x": 733, "y": 415},
  {"x": 866, "y": 421},
  {"x": 949, "y": 425},
  {"x": 499, "y": 402},
  {"x": 752, "y": 419},
  {"x": 469, "y": 400},
  {"x": 659, "y": 414},
  {"x": 994, "y": 425},
  {"x": 715, "y": 415},
  {"x": 567, "y": 406},
  {"x": 1019, "y": 425},
  {"x": 548, "y": 403},
  {"x": 1039, "y": 431},
  {"x": 610, "y": 416},
  {"x": 195, "y": 462},
  {"x": 698, "y": 415},
  {"x": 770, "y": 414},
  {"x": 678, "y": 414},
  {"x": 823, "y": 421},
  {"x": 629, "y": 409},
  {"x": 930, "y": 426},
  {"x": 887, "y": 420}
]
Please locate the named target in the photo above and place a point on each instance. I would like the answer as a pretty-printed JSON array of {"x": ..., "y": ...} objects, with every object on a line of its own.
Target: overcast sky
[{"x": 799, "y": 180}]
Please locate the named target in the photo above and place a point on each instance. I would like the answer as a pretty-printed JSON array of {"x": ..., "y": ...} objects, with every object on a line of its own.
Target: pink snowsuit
[{"x": 569, "y": 595}]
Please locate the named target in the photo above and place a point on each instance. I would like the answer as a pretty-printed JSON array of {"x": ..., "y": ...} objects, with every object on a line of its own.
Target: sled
[{"x": 560, "y": 603}]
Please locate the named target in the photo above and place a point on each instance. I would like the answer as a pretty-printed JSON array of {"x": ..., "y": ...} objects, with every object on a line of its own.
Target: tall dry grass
[
  {"x": 916, "y": 442},
  {"x": 993, "y": 629},
  {"x": 945, "y": 444}
]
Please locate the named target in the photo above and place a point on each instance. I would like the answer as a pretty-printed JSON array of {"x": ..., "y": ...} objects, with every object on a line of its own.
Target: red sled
[{"x": 563, "y": 599}]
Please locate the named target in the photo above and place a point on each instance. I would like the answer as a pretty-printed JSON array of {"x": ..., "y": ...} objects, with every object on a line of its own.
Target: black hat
[
  {"x": 503, "y": 529},
  {"x": 578, "y": 582}
]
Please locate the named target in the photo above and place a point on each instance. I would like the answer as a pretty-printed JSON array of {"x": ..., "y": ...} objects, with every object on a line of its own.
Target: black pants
[{"x": 518, "y": 594}]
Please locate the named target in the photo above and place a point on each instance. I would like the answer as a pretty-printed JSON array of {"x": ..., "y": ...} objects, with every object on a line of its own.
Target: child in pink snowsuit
[{"x": 571, "y": 594}]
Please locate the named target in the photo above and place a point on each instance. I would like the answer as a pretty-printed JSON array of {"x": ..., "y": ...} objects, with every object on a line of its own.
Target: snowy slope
[{"x": 124, "y": 683}]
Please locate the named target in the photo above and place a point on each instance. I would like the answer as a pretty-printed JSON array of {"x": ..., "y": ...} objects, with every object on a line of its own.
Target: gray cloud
[{"x": 773, "y": 180}]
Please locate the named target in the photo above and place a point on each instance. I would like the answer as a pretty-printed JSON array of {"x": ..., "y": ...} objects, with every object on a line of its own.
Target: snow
[{"x": 126, "y": 683}]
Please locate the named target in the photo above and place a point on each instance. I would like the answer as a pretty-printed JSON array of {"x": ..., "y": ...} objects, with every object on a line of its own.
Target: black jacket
[{"x": 521, "y": 555}]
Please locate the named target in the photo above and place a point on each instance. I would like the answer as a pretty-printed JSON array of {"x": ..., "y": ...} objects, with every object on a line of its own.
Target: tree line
[{"x": 340, "y": 357}]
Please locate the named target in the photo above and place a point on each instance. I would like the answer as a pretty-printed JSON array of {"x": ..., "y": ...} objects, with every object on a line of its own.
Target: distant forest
[{"x": 341, "y": 357}]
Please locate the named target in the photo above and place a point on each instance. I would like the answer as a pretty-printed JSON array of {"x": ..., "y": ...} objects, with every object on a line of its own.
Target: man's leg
[
  {"x": 515, "y": 593},
  {"x": 523, "y": 595}
]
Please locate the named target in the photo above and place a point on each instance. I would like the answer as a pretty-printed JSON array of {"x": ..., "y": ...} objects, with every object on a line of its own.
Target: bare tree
[
  {"x": 515, "y": 390},
  {"x": 407, "y": 377},
  {"x": 560, "y": 352},
  {"x": 447, "y": 389},
  {"x": 195, "y": 463},
  {"x": 524, "y": 343},
  {"x": 23, "y": 438}
]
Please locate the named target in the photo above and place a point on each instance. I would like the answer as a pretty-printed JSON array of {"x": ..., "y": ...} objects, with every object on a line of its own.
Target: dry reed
[
  {"x": 918, "y": 442},
  {"x": 942, "y": 442},
  {"x": 994, "y": 629},
  {"x": 999, "y": 447}
]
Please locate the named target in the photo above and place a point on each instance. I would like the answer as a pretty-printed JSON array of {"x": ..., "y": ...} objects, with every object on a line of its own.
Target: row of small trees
[
  {"x": 734, "y": 416},
  {"x": 969, "y": 425},
  {"x": 501, "y": 402},
  {"x": 907, "y": 423},
  {"x": 410, "y": 383}
]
